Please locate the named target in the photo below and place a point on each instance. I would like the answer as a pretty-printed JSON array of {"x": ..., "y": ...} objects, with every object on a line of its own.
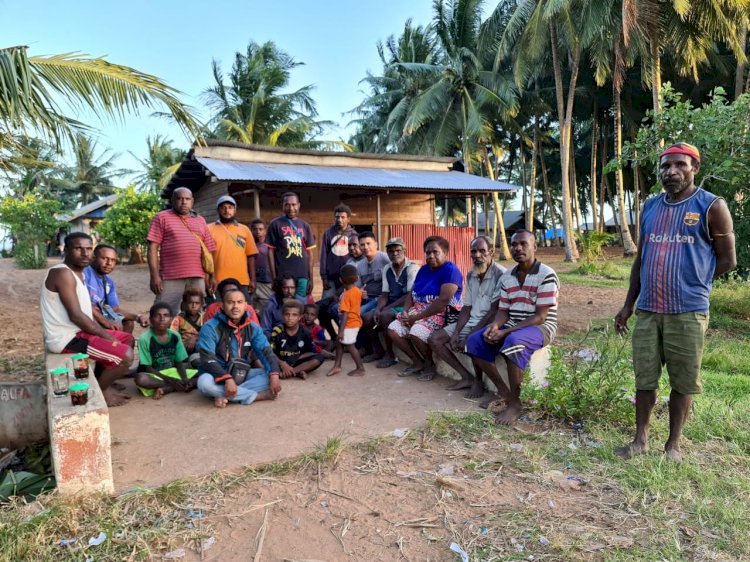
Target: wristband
[{"x": 274, "y": 374}]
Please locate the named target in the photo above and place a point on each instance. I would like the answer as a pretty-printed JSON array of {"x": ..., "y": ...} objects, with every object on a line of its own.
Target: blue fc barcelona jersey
[{"x": 677, "y": 258}]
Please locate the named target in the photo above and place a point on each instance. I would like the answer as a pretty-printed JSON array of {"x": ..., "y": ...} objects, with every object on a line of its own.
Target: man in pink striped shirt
[{"x": 174, "y": 252}]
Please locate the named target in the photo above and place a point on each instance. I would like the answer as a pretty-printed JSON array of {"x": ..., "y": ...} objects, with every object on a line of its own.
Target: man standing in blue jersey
[{"x": 687, "y": 240}]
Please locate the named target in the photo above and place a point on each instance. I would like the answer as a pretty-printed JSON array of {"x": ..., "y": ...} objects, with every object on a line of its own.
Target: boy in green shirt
[{"x": 163, "y": 357}]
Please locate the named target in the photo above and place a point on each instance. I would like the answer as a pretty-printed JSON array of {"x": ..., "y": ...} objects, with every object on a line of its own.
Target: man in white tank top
[{"x": 68, "y": 321}]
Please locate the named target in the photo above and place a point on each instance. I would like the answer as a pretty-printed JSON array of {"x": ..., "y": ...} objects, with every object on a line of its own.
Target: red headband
[{"x": 684, "y": 148}]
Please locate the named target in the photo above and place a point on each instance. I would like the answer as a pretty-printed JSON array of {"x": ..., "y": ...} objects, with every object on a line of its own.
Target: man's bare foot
[
  {"x": 509, "y": 416},
  {"x": 302, "y": 375},
  {"x": 476, "y": 390},
  {"x": 113, "y": 398},
  {"x": 221, "y": 402},
  {"x": 265, "y": 395},
  {"x": 632, "y": 450},
  {"x": 357, "y": 373},
  {"x": 674, "y": 455},
  {"x": 459, "y": 385},
  {"x": 158, "y": 394},
  {"x": 333, "y": 371},
  {"x": 427, "y": 375},
  {"x": 118, "y": 386}
]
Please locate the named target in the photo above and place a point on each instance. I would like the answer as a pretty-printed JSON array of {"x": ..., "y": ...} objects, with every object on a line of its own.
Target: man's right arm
[
  {"x": 63, "y": 282},
  {"x": 153, "y": 268},
  {"x": 207, "y": 341}
]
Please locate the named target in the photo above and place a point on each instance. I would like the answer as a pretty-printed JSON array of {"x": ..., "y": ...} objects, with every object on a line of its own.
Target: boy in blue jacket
[{"x": 228, "y": 345}]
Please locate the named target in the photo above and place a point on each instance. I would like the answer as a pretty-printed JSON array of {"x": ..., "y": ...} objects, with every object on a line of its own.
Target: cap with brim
[
  {"x": 225, "y": 199},
  {"x": 395, "y": 242}
]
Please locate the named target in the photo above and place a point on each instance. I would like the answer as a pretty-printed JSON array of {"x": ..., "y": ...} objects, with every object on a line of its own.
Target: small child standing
[
  {"x": 189, "y": 322},
  {"x": 162, "y": 357},
  {"x": 350, "y": 321},
  {"x": 293, "y": 344}
]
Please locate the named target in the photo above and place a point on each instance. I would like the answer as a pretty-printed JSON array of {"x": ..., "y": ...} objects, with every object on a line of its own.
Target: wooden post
[
  {"x": 377, "y": 222},
  {"x": 469, "y": 217},
  {"x": 256, "y": 202}
]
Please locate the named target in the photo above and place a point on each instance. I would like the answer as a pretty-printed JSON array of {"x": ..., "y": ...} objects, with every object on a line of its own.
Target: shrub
[
  {"x": 591, "y": 380},
  {"x": 32, "y": 221}
]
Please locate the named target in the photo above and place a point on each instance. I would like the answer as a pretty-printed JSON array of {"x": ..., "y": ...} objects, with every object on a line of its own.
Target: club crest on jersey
[{"x": 691, "y": 219}]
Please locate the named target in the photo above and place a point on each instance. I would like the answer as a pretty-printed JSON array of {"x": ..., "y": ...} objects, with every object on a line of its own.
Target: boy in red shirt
[{"x": 350, "y": 321}]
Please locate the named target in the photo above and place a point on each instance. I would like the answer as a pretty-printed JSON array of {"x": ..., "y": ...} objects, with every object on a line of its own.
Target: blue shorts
[{"x": 517, "y": 347}]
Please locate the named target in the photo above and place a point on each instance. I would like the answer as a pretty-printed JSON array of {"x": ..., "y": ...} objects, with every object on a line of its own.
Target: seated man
[
  {"x": 398, "y": 279},
  {"x": 526, "y": 321},
  {"x": 482, "y": 286},
  {"x": 293, "y": 344},
  {"x": 285, "y": 288},
  {"x": 162, "y": 366},
  {"x": 189, "y": 322},
  {"x": 228, "y": 344},
  {"x": 103, "y": 292},
  {"x": 228, "y": 284},
  {"x": 68, "y": 321}
]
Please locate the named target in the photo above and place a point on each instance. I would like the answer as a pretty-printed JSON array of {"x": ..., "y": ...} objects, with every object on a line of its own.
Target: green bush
[
  {"x": 31, "y": 255},
  {"x": 591, "y": 380}
]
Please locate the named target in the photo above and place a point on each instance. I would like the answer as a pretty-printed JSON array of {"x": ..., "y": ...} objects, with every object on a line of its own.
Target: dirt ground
[{"x": 183, "y": 435}]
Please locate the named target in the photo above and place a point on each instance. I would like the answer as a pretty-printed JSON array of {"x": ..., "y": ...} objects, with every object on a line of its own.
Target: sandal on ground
[
  {"x": 386, "y": 362},
  {"x": 410, "y": 372},
  {"x": 427, "y": 376}
]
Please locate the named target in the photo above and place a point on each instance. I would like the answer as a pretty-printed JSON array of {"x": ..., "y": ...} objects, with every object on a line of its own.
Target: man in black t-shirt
[
  {"x": 293, "y": 344},
  {"x": 289, "y": 240}
]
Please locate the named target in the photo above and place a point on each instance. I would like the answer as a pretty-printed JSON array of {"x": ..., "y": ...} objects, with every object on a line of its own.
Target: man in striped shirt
[
  {"x": 526, "y": 321},
  {"x": 174, "y": 252}
]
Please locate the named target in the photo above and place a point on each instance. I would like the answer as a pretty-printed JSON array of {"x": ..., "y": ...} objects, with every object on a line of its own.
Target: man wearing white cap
[{"x": 235, "y": 252}]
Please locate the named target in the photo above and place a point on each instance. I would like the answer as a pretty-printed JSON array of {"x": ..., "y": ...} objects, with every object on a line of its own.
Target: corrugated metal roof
[
  {"x": 91, "y": 209},
  {"x": 373, "y": 178}
]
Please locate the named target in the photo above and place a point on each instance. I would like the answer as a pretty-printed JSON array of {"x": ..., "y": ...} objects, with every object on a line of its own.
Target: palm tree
[
  {"x": 30, "y": 86},
  {"x": 250, "y": 106},
  {"x": 91, "y": 176},
  {"x": 159, "y": 165}
]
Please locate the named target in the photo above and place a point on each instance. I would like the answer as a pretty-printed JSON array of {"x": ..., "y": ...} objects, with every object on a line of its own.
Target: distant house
[
  {"x": 87, "y": 217},
  {"x": 513, "y": 221},
  {"x": 610, "y": 225},
  {"x": 389, "y": 194}
]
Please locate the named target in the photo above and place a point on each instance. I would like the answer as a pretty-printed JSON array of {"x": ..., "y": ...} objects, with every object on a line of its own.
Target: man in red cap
[{"x": 687, "y": 240}]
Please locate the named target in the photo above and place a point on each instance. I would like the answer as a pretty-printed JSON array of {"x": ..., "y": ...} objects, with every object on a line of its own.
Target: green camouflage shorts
[{"x": 674, "y": 340}]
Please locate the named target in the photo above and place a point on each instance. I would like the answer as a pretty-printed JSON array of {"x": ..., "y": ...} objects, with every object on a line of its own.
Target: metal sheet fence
[{"x": 414, "y": 236}]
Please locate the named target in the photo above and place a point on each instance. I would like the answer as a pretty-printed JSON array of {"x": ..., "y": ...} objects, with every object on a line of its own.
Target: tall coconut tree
[
  {"x": 92, "y": 174},
  {"x": 250, "y": 104},
  {"x": 161, "y": 162},
  {"x": 31, "y": 89}
]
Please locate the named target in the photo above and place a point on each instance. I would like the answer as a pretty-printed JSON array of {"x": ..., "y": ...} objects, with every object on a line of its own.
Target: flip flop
[
  {"x": 410, "y": 372},
  {"x": 385, "y": 363},
  {"x": 427, "y": 376}
]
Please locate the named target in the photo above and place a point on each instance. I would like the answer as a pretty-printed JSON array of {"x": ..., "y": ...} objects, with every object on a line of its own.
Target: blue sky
[{"x": 176, "y": 41}]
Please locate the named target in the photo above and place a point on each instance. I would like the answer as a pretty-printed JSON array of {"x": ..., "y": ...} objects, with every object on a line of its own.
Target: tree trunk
[
  {"x": 136, "y": 256},
  {"x": 629, "y": 246},
  {"x": 592, "y": 175},
  {"x": 502, "y": 243},
  {"x": 576, "y": 201},
  {"x": 548, "y": 199},
  {"x": 739, "y": 76},
  {"x": 656, "y": 75},
  {"x": 604, "y": 183},
  {"x": 532, "y": 186},
  {"x": 564, "y": 115}
]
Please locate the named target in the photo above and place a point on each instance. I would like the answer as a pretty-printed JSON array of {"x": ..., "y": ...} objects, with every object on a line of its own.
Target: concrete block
[
  {"x": 80, "y": 441},
  {"x": 23, "y": 413}
]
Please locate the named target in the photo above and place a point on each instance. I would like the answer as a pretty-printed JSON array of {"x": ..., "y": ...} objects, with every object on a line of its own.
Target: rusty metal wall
[{"x": 414, "y": 236}]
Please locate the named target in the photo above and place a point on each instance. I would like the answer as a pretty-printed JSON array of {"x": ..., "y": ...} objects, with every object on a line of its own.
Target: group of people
[{"x": 265, "y": 326}]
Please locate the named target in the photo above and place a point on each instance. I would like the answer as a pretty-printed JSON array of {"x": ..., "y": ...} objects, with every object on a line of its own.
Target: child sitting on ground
[
  {"x": 350, "y": 321},
  {"x": 310, "y": 321},
  {"x": 163, "y": 358},
  {"x": 293, "y": 344},
  {"x": 189, "y": 322}
]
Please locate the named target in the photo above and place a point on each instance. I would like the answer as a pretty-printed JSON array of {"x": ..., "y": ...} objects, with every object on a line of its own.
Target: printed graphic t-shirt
[
  {"x": 289, "y": 348},
  {"x": 291, "y": 241},
  {"x": 158, "y": 354}
]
